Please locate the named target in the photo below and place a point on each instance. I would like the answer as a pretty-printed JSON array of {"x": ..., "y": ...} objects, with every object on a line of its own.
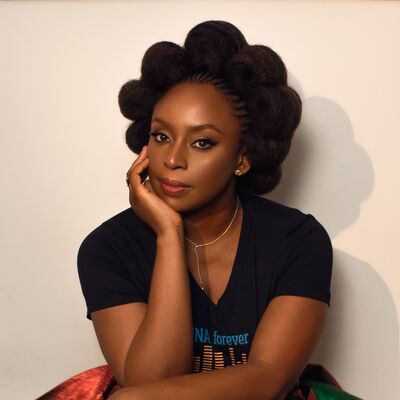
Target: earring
[{"x": 237, "y": 172}]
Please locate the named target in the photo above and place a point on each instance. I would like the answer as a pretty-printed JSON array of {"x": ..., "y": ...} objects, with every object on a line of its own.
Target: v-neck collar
[{"x": 237, "y": 263}]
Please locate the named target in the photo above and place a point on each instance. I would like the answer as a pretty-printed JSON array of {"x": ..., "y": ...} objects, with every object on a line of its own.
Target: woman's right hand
[{"x": 147, "y": 205}]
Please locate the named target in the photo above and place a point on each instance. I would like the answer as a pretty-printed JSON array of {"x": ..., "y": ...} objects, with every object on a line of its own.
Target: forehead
[{"x": 196, "y": 103}]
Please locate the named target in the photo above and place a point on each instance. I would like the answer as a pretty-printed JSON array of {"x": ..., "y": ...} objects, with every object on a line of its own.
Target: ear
[{"x": 243, "y": 162}]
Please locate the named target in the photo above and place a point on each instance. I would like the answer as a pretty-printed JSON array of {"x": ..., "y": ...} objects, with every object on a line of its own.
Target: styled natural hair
[{"x": 253, "y": 77}]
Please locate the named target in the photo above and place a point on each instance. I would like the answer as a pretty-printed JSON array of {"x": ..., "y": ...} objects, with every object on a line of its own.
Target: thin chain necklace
[{"x": 206, "y": 244}]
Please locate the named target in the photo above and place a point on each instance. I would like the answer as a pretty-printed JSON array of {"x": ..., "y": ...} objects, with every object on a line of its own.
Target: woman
[{"x": 200, "y": 274}]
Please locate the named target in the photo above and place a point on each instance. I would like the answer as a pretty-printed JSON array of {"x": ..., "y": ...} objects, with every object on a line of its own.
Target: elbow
[
  {"x": 141, "y": 374},
  {"x": 280, "y": 391},
  {"x": 271, "y": 384},
  {"x": 283, "y": 392},
  {"x": 138, "y": 375},
  {"x": 133, "y": 377}
]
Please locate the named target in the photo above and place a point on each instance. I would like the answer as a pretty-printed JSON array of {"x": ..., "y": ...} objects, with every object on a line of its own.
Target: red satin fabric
[{"x": 94, "y": 384}]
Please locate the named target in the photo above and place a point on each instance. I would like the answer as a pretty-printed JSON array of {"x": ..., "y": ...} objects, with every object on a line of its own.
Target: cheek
[
  {"x": 150, "y": 150},
  {"x": 152, "y": 156},
  {"x": 215, "y": 170}
]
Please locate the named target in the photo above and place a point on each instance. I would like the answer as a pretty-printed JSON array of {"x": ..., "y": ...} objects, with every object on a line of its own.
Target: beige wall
[{"x": 63, "y": 164}]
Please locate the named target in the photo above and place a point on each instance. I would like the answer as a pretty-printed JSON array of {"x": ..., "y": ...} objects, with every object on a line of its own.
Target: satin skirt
[{"x": 315, "y": 383}]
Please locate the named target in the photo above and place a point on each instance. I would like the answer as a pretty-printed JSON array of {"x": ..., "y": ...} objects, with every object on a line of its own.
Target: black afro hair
[{"x": 253, "y": 75}]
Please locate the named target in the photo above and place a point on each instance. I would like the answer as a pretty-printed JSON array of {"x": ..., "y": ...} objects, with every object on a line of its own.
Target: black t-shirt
[{"x": 281, "y": 251}]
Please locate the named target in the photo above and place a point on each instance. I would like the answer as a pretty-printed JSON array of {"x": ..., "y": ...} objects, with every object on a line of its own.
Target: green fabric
[{"x": 324, "y": 391}]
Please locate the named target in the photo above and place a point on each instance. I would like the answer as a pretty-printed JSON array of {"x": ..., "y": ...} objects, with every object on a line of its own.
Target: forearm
[
  {"x": 241, "y": 382},
  {"x": 162, "y": 346}
]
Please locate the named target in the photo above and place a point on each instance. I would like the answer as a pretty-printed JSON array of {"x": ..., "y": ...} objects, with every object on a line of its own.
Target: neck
[{"x": 209, "y": 222}]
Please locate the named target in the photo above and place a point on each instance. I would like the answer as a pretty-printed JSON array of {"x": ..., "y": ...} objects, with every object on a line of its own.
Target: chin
[{"x": 181, "y": 204}]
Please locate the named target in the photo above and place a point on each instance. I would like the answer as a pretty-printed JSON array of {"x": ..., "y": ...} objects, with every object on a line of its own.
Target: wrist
[{"x": 171, "y": 235}]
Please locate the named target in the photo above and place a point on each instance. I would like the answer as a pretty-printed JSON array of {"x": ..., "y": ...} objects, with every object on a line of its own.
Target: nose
[{"x": 175, "y": 157}]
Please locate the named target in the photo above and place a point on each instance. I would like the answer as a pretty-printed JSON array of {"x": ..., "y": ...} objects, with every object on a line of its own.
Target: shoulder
[
  {"x": 283, "y": 221},
  {"x": 116, "y": 233},
  {"x": 265, "y": 207},
  {"x": 125, "y": 221},
  {"x": 295, "y": 246},
  {"x": 276, "y": 214},
  {"x": 112, "y": 264}
]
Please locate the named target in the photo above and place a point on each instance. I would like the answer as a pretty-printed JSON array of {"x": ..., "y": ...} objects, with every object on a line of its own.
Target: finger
[
  {"x": 132, "y": 171},
  {"x": 134, "y": 176},
  {"x": 139, "y": 158},
  {"x": 147, "y": 184}
]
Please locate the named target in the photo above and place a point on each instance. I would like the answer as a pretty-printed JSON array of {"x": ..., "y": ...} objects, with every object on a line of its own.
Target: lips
[
  {"x": 172, "y": 187},
  {"x": 173, "y": 182}
]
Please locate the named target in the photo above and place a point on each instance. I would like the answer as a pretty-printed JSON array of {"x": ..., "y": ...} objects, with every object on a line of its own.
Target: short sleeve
[
  {"x": 104, "y": 275},
  {"x": 307, "y": 259}
]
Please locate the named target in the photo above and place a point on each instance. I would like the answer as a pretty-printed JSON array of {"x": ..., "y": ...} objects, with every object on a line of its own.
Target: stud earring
[{"x": 237, "y": 172}]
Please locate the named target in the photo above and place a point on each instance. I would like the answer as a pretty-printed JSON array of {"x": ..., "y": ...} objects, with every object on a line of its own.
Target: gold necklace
[{"x": 206, "y": 244}]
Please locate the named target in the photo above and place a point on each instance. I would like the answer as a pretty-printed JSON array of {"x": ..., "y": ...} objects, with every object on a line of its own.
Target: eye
[
  {"x": 155, "y": 134},
  {"x": 204, "y": 143},
  {"x": 209, "y": 143}
]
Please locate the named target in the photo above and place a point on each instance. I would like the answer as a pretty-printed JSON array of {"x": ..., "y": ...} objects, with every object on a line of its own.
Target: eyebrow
[{"x": 192, "y": 128}]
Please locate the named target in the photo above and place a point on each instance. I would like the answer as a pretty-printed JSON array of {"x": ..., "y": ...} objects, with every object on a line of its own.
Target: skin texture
[
  {"x": 177, "y": 152},
  {"x": 290, "y": 327},
  {"x": 129, "y": 334},
  {"x": 204, "y": 159},
  {"x": 285, "y": 339}
]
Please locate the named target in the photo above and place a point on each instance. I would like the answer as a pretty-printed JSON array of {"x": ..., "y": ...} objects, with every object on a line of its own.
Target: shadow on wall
[{"x": 326, "y": 170}]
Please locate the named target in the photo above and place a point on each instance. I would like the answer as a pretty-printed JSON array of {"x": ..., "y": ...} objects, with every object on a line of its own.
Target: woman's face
[{"x": 205, "y": 158}]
